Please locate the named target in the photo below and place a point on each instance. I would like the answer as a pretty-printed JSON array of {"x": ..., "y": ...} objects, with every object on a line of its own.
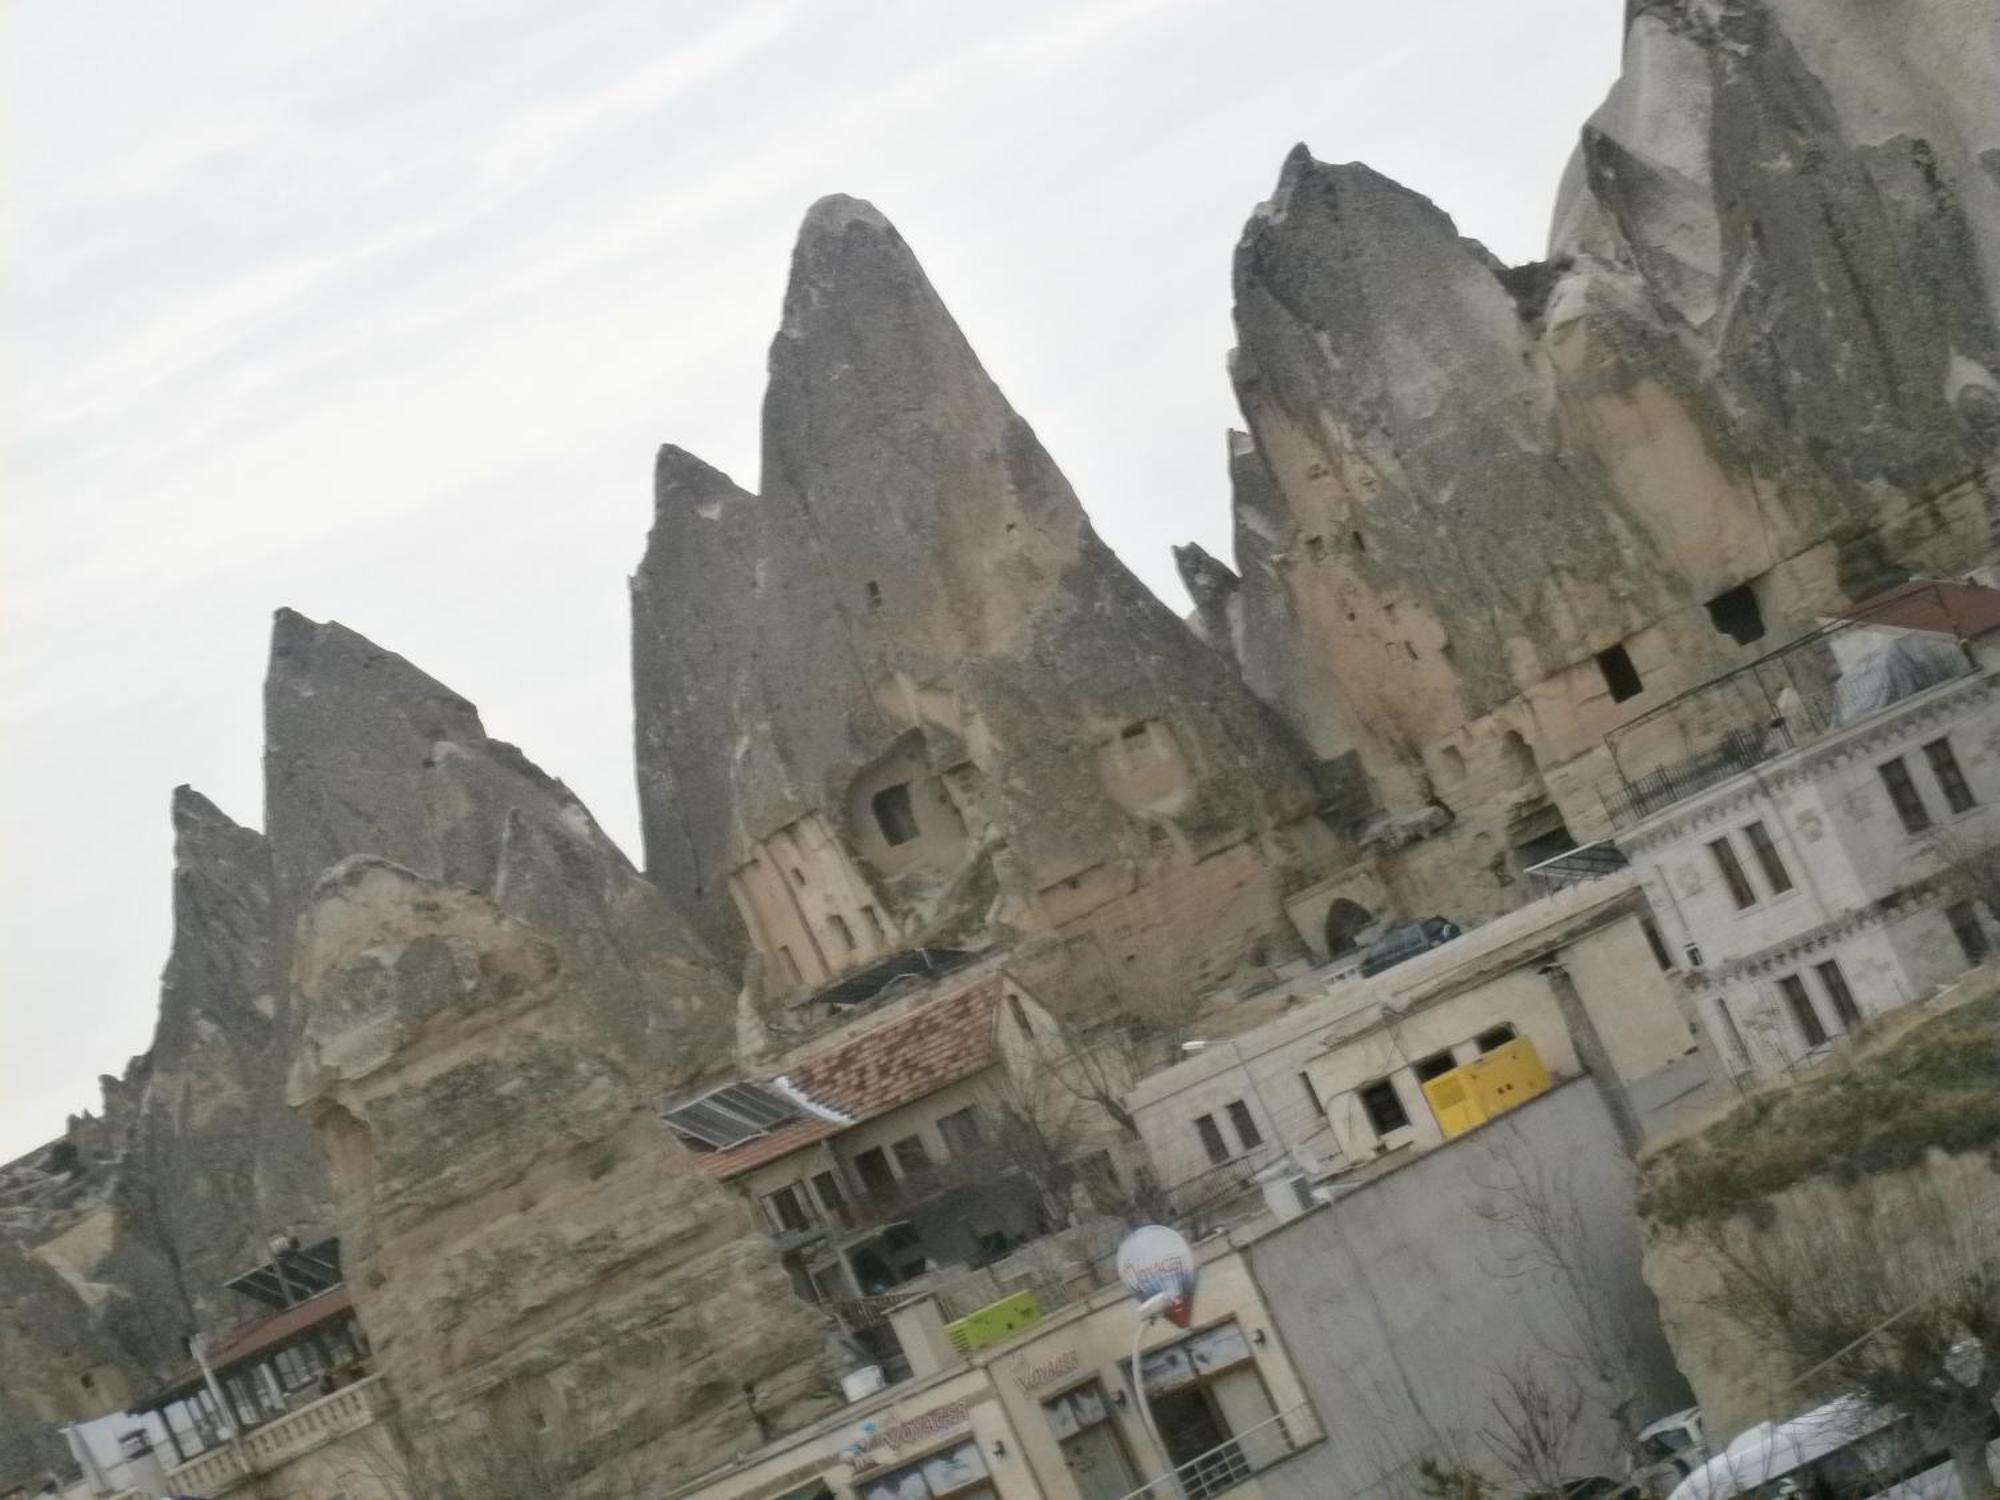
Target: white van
[{"x": 1845, "y": 1450}]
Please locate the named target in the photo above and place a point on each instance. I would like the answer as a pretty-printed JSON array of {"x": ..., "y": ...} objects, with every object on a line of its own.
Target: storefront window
[
  {"x": 1092, "y": 1450},
  {"x": 957, "y": 1473},
  {"x": 1212, "y": 1410}
]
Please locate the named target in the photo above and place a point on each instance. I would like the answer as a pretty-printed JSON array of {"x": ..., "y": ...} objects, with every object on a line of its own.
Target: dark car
[{"x": 1406, "y": 942}]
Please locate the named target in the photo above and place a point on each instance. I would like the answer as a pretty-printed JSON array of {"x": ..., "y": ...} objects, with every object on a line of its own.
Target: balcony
[
  {"x": 278, "y": 1442},
  {"x": 1237, "y": 1461}
]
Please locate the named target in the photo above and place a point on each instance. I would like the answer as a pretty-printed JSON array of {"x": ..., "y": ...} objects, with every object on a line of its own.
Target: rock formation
[
  {"x": 1486, "y": 514},
  {"x": 217, "y": 1162},
  {"x": 365, "y": 754},
  {"x": 526, "y": 1239},
  {"x": 905, "y": 693}
]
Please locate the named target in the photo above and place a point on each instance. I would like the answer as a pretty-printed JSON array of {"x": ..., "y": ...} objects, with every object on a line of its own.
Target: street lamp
[{"x": 1149, "y": 1310}]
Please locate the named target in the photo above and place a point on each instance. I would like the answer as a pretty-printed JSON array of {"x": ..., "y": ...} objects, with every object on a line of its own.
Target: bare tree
[{"x": 1892, "y": 1295}]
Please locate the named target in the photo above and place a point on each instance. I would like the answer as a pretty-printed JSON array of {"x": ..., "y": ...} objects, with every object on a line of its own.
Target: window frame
[
  {"x": 1735, "y": 878},
  {"x": 1949, "y": 775},
  {"x": 1244, "y": 1123},
  {"x": 1383, "y": 1088},
  {"x": 966, "y": 1122},
  {"x": 894, "y": 809},
  {"x": 1963, "y": 917},
  {"x": 1839, "y": 994},
  {"x": 1805, "y": 1015},
  {"x": 1904, "y": 795},
  {"x": 1214, "y": 1144},
  {"x": 1764, "y": 849}
]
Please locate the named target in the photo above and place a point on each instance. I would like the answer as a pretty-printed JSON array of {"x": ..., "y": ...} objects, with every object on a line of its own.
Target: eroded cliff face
[
  {"x": 905, "y": 692},
  {"x": 216, "y": 1162},
  {"x": 1761, "y": 357},
  {"x": 367, "y": 755},
  {"x": 526, "y": 1240}
]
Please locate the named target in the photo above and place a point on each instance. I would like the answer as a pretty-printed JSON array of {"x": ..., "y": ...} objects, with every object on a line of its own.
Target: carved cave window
[
  {"x": 1620, "y": 676},
  {"x": 894, "y": 814},
  {"x": 1736, "y": 614}
]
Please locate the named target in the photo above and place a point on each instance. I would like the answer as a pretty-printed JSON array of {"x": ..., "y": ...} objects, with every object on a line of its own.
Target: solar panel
[{"x": 732, "y": 1114}]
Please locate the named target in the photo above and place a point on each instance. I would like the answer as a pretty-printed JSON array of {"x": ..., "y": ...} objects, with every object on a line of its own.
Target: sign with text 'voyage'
[{"x": 1155, "y": 1259}]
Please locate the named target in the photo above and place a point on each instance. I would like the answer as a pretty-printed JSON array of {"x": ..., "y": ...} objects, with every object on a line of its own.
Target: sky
[{"x": 379, "y": 311}]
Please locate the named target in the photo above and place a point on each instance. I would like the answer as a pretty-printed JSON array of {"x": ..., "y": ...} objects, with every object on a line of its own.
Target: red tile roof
[
  {"x": 868, "y": 1072},
  {"x": 259, "y": 1334},
  {"x": 1964, "y": 610}
]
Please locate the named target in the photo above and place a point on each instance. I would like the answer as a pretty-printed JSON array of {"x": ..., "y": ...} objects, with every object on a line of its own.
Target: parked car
[
  {"x": 1849, "y": 1449},
  {"x": 1400, "y": 944}
]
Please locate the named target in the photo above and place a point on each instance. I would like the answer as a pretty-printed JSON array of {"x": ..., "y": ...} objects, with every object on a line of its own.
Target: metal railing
[
  {"x": 1848, "y": 670},
  {"x": 1240, "y": 1458},
  {"x": 1733, "y": 754}
]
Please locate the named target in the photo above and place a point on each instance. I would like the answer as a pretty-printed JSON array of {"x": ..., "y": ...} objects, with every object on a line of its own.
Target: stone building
[
  {"x": 932, "y": 1134},
  {"x": 1817, "y": 830},
  {"x": 1331, "y": 1088}
]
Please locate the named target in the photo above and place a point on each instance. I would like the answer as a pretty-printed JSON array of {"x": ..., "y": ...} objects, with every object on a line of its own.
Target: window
[
  {"x": 874, "y": 920},
  {"x": 1499, "y": 1036},
  {"x": 1768, "y": 858},
  {"x": 1211, "y": 1138},
  {"x": 1800, "y": 1004},
  {"x": 786, "y": 1210},
  {"x": 1518, "y": 752},
  {"x": 1842, "y": 998},
  {"x": 1619, "y": 673},
  {"x": 1212, "y": 1410},
  {"x": 1732, "y": 873},
  {"x": 876, "y": 1174},
  {"x": 1100, "y": 1180},
  {"x": 958, "y": 1472},
  {"x": 1136, "y": 738},
  {"x": 1435, "y": 1066},
  {"x": 910, "y": 1154},
  {"x": 1020, "y": 1014},
  {"x": 1661, "y": 955},
  {"x": 874, "y": 596},
  {"x": 893, "y": 813},
  {"x": 962, "y": 1131},
  {"x": 1909, "y": 803},
  {"x": 1967, "y": 928},
  {"x": 1384, "y": 1109},
  {"x": 1246, "y": 1126},
  {"x": 1950, "y": 779},
  {"x": 1734, "y": 612},
  {"x": 1092, "y": 1449},
  {"x": 826, "y": 1186},
  {"x": 841, "y": 930},
  {"x": 1312, "y": 1094}
]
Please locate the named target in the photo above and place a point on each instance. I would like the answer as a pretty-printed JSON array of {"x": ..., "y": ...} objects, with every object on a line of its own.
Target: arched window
[{"x": 1344, "y": 922}]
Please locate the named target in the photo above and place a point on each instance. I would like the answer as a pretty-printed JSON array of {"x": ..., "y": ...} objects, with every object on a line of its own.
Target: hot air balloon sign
[{"x": 1155, "y": 1260}]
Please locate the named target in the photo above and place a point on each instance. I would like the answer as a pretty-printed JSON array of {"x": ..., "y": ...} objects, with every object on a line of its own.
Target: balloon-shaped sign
[{"x": 1156, "y": 1259}]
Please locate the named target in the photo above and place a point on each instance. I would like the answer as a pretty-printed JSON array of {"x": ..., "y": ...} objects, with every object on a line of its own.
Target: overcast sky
[{"x": 379, "y": 311}]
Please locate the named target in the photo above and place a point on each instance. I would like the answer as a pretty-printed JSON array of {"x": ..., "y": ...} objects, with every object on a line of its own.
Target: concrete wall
[{"x": 1404, "y": 1304}]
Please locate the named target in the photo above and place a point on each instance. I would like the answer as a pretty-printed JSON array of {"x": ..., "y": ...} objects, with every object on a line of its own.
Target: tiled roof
[
  {"x": 249, "y": 1339},
  {"x": 874, "y": 1069},
  {"x": 1965, "y": 610}
]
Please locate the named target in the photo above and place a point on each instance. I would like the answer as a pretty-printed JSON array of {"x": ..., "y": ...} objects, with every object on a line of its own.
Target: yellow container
[{"x": 1489, "y": 1085}]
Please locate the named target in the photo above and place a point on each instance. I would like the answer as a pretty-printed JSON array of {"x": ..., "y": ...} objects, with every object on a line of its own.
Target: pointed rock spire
[
  {"x": 915, "y": 600},
  {"x": 367, "y": 755}
]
